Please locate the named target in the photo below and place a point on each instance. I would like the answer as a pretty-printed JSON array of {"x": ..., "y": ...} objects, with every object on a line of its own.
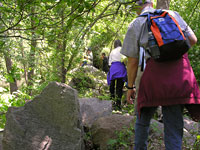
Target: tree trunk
[
  {"x": 24, "y": 63},
  {"x": 61, "y": 60},
  {"x": 31, "y": 65},
  {"x": 13, "y": 83},
  {"x": 163, "y": 4},
  {"x": 64, "y": 71},
  {"x": 61, "y": 48}
]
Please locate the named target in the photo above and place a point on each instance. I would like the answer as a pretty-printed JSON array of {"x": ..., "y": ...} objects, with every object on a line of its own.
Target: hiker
[
  {"x": 105, "y": 66},
  {"x": 117, "y": 73},
  {"x": 171, "y": 84},
  {"x": 87, "y": 58}
]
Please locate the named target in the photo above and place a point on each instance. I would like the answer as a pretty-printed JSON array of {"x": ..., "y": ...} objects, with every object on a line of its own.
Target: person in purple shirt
[
  {"x": 171, "y": 85},
  {"x": 117, "y": 74}
]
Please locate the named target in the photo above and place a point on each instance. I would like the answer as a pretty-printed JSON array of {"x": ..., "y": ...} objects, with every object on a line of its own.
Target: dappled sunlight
[
  {"x": 188, "y": 122},
  {"x": 84, "y": 117},
  {"x": 46, "y": 143},
  {"x": 5, "y": 99}
]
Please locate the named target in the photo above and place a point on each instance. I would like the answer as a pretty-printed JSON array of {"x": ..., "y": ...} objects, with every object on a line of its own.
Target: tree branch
[
  {"x": 19, "y": 36},
  {"x": 12, "y": 25}
]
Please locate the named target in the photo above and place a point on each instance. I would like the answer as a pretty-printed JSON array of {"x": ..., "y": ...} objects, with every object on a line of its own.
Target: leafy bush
[
  {"x": 89, "y": 81},
  {"x": 194, "y": 56},
  {"x": 124, "y": 139},
  {"x": 197, "y": 143},
  {"x": 83, "y": 81},
  {"x": 16, "y": 99}
]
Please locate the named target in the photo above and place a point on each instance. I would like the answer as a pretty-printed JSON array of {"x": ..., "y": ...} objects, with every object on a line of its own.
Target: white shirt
[{"x": 115, "y": 55}]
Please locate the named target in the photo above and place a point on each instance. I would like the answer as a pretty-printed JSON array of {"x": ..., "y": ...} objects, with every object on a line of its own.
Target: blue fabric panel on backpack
[{"x": 169, "y": 30}]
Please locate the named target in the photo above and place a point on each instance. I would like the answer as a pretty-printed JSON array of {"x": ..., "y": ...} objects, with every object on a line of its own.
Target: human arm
[
  {"x": 132, "y": 73},
  {"x": 130, "y": 48},
  {"x": 193, "y": 39},
  {"x": 186, "y": 28}
]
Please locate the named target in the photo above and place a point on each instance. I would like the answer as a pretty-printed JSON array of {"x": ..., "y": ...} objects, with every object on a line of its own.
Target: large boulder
[
  {"x": 106, "y": 128},
  {"x": 50, "y": 121},
  {"x": 92, "y": 109}
]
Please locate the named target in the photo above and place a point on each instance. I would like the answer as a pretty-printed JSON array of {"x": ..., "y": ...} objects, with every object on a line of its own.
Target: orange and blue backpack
[{"x": 166, "y": 40}]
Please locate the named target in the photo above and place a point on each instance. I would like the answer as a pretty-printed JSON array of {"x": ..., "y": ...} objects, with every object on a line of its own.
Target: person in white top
[
  {"x": 117, "y": 73},
  {"x": 88, "y": 58},
  {"x": 115, "y": 55}
]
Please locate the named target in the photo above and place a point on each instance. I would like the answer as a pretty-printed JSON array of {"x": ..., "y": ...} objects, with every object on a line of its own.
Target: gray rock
[
  {"x": 191, "y": 126},
  {"x": 105, "y": 128},
  {"x": 190, "y": 131},
  {"x": 92, "y": 109},
  {"x": 157, "y": 131},
  {"x": 156, "y": 128},
  {"x": 50, "y": 121},
  {"x": 90, "y": 78}
]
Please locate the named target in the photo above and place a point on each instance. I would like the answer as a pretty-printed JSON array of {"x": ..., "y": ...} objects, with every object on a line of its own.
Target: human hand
[{"x": 131, "y": 96}]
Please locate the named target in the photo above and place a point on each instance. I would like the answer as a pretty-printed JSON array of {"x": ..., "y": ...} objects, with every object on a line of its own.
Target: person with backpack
[
  {"x": 117, "y": 74},
  {"x": 169, "y": 83}
]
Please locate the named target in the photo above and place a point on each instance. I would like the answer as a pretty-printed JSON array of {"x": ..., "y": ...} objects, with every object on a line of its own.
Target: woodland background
[{"x": 44, "y": 40}]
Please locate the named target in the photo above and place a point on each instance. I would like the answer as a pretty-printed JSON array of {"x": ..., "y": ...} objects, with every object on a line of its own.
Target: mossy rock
[{"x": 89, "y": 81}]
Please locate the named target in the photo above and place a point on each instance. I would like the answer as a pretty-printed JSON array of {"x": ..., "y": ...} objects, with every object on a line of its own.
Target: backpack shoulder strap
[{"x": 150, "y": 14}]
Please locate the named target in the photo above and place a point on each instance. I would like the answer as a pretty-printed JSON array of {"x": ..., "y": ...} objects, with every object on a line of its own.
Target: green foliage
[
  {"x": 7, "y": 100},
  {"x": 194, "y": 54},
  {"x": 130, "y": 109},
  {"x": 82, "y": 80},
  {"x": 89, "y": 82},
  {"x": 197, "y": 143},
  {"x": 104, "y": 97},
  {"x": 88, "y": 140},
  {"x": 124, "y": 139},
  {"x": 190, "y": 10},
  {"x": 15, "y": 73}
]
